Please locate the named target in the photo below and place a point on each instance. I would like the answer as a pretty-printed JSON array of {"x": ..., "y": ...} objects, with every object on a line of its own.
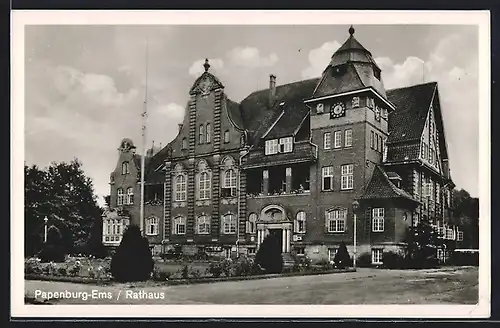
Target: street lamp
[
  {"x": 45, "y": 230},
  {"x": 355, "y": 206}
]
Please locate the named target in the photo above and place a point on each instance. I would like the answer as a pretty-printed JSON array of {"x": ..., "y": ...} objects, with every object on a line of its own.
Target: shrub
[
  {"x": 185, "y": 272},
  {"x": 269, "y": 255},
  {"x": 342, "y": 259},
  {"x": 364, "y": 260},
  {"x": 32, "y": 266},
  {"x": 302, "y": 263},
  {"x": 62, "y": 271},
  {"x": 133, "y": 260},
  {"x": 195, "y": 274},
  {"x": 393, "y": 260},
  {"x": 53, "y": 250},
  {"x": 244, "y": 266},
  {"x": 74, "y": 270},
  {"x": 324, "y": 265},
  {"x": 215, "y": 269}
]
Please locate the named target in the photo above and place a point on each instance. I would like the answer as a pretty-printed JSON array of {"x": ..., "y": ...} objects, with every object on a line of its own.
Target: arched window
[
  {"x": 335, "y": 220},
  {"x": 180, "y": 188},
  {"x": 203, "y": 225},
  {"x": 229, "y": 184},
  {"x": 300, "y": 222},
  {"x": 125, "y": 168},
  {"x": 120, "y": 197},
  {"x": 180, "y": 225},
  {"x": 251, "y": 223},
  {"x": 152, "y": 225},
  {"x": 209, "y": 132},
  {"x": 204, "y": 185},
  {"x": 226, "y": 136},
  {"x": 229, "y": 224},
  {"x": 201, "y": 134},
  {"x": 184, "y": 143},
  {"x": 130, "y": 196}
]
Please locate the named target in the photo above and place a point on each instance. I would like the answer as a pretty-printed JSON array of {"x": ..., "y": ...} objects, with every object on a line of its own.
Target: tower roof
[{"x": 352, "y": 51}]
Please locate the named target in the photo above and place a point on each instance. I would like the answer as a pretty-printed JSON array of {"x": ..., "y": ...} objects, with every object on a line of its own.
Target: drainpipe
[{"x": 239, "y": 206}]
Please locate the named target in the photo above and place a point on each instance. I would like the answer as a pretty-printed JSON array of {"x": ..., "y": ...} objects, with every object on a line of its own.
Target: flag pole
[{"x": 143, "y": 157}]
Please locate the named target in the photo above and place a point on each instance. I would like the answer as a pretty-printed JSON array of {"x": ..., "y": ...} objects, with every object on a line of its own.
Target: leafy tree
[
  {"x": 269, "y": 255},
  {"x": 466, "y": 215},
  {"x": 52, "y": 250},
  {"x": 342, "y": 259},
  {"x": 133, "y": 260},
  {"x": 422, "y": 241},
  {"x": 64, "y": 195}
]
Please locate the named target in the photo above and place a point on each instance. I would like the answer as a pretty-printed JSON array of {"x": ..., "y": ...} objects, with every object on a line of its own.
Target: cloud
[
  {"x": 172, "y": 110},
  {"x": 319, "y": 58},
  {"x": 251, "y": 57},
  {"x": 197, "y": 68}
]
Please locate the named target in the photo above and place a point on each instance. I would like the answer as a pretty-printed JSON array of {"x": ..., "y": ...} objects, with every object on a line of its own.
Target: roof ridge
[
  {"x": 283, "y": 85},
  {"x": 413, "y": 86}
]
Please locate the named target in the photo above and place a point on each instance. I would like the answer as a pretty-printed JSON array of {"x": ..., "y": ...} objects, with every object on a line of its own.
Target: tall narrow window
[
  {"x": 378, "y": 220},
  {"x": 184, "y": 143},
  {"x": 180, "y": 225},
  {"x": 180, "y": 188},
  {"x": 226, "y": 136},
  {"x": 377, "y": 256},
  {"x": 337, "y": 139},
  {"x": 376, "y": 142},
  {"x": 431, "y": 156},
  {"x": 348, "y": 138},
  {"x": 335, "y": 220},
  {"x": 130, "y": 196},
  {"x": 201, "y": 134},
  {"x": 125, "y": 168},
  {"x": 251, "y": 224},
  {"x": 300, "y": 223},
  {"x": 204, "y": 186},
  {"x": 327, "y": 178},
  {"x": 347, "y": 179},
  {"x": 152, "y": 225},
  {"x": 120, "y": 197},
  {"x": 203, "y": 225},
  {"x": 372, "y": 141},
  {"x": 229, "y": 224},
  {"x": 209, "y": 133},
  {"x": 229, "y": 184},
  {"x": 327, "y": 140}
]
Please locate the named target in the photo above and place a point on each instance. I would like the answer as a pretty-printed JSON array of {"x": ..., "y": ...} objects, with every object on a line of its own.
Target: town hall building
[{"x": 300, "y": 161}]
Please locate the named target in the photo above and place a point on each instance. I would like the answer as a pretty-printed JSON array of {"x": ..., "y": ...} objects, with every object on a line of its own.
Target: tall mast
[{"x": 143, "y": 157}]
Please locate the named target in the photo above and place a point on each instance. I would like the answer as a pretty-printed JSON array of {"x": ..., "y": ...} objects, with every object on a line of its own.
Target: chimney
[
  {"x": 272, "y": 89},
  {"x": 180, "y": 126}
]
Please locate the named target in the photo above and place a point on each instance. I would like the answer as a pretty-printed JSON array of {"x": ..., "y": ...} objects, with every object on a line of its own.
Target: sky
[{"x": 85, "y": 84}]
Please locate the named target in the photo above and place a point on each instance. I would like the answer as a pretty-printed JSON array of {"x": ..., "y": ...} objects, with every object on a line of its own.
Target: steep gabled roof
[
  {"x": 381, "y": 187},
  {"x": 233, "y": 111},
  {"x": 412, "y": 103},
  {"x": 328, "y": 85},
  {"x": 288, "y": 123}
]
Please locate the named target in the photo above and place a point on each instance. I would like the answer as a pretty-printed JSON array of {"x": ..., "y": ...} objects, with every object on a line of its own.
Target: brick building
[{"x": 291, "y": 160}]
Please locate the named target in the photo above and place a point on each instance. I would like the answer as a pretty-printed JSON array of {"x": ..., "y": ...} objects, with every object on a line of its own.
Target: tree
[
  {"x": 52, "y": 250},
  {"x": 133, "y": 260},
  {"x": 269, "y": 255},
  {"x": 421, "y": 243},
  {"x": 342, "y": 259},
  {"x": 64, "y": 195},
  {"x": 95, "y": 246},
  {"x": 466, "y": 215}
]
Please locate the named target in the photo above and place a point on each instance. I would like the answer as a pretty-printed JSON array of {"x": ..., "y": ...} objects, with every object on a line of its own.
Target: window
[
  {"x": 204, "y": 185},
  {"x": 184, "y": 143},
  {"x": 422, "y": 150},
  {"x": 372, "y": 141},
  {"x": 180, "y": 188},
  {"x": 426, "y": 151},
  {"x": 382, "y": 141},
  {"x": 300, "y": 223},
  {"x": 460, "y": 236},
  {"x": 130, "y": 196},
  {"x": 271, "y": 147},
  {"x": 125, "y": 168},
  {"x": 431, "y": 156},
  {"x": 347, "y": 176},
  {"x": 229, "y": 224},
  {"x": 438, "y": 193},
  {"x": 449, "y": 234},
  {"x": 431, "y": 189},
  {"x": 335, "y": 220},
  {"x": 377, "y": 256},
  {"x": 201, "y": 135},
  {"x": 209, "y": 133},
  {"x": 320, "y": 108},
  {"x": 371, "y": 102},
  {"x": 152, "y": 224},
  {"x": 229, "y": 184},
  {"x": 251, "y": 250},
  {"x": 376, "y": 72},
  {"x": 203, "y": 225},
  {"x": 355, "y": 102},
  {"x": 180, "y": 225},
  {"x": 378, "y": 220},
  {"x": 376, "y": 142},
  {"x": 337, "y": 137},
  {"x": 226, "y": 136},
  {"x": 348, "y": 138},
  {"x": 251, "y": 224},
  {"x": 328, "y": 178},
  {"x": 121, "y": 197},
  {"x": 286, "y": 145},
  {"x": 327, "y": 140},
  {"x": 300, "y": 250},
  {"x": 331, "y": 254}
]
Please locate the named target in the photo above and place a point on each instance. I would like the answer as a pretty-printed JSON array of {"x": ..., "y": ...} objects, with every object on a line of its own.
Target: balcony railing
[{"x": 281, "y": 193}]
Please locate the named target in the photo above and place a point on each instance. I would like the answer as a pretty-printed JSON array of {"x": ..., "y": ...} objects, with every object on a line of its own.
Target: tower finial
[
  {"x": 206, "y": 65},
  {"x": 351, "y": 30}
]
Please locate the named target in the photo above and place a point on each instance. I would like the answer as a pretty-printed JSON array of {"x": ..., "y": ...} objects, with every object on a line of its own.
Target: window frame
[
  {"x": 231, "y": 180},
  {"x": 130, "y": 196},
  {"x": 252, "y": 223},
  {"x": 331, "y": 250},
  {"x": 179, "y": 190},
  {"x": 300, "y": 218},
  {"x": 125, "y": 168},
  {"x": 201, "y": 134},
  {"x": 347, "y": 177},
  {"x": 152, "y": 222},
  {"x": 327, "y": 172},
  {"x": 229, "y": 221},
  {"x": 378, "y": 219},
  {"x": 208, "y": 133},
  {"x": 204, "y": 186},
  {"x": 120, "y": 197},
  {"x": 271, "y": 147},
  {"x": 327, "y": 140},
  {"x": 206, "y": 223},
  {"x": 372, "y": 139},
  {"x": 337, "y": 139},
  {"x": 348, "y": 136},
  {"x": 178, "y": 222},
  {"x": 339, "y": 217},
  {"x": 377, "y": 259},
  {"x": 227, "y": 137},
  {"x": 184, "y": 144}
]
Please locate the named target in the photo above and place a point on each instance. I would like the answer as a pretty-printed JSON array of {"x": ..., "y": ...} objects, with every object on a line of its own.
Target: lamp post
[
  {"x": 355, "y": 206},
  {"x": 45, "y": 230}
]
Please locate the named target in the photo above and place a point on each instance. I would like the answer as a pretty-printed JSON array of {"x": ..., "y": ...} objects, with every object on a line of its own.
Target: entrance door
[{"x": 278, "y": 235}]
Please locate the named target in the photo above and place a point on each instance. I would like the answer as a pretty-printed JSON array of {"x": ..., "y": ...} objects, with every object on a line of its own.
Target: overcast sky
[{"x": 84, "y": 85}]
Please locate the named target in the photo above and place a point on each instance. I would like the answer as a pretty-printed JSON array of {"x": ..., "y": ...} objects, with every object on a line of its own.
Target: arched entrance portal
[{"x": 273, "y": 220}]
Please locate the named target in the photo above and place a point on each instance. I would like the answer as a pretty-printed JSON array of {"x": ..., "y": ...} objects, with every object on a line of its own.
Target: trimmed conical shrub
[
  {"x": 132, "y": 260},
  {"x": 269, "y": 255},
  {"x": 342, "y": 259}
]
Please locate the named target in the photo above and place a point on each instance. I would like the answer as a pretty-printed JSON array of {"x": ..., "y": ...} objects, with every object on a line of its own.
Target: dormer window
[
  {"x": 286, "y": 145},
  {"x": 320, "y": 108},
  {"x": 125, "y": 168},
  {"x": 376, "y": 72},
  {"x": 355, "y": 102},
  {"x": 271, "y": 147},
  {"x": 339, "y": 70}
]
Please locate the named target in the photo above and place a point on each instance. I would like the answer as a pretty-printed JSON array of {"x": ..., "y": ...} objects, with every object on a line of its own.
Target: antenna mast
[{"x": 143, "y": 157}]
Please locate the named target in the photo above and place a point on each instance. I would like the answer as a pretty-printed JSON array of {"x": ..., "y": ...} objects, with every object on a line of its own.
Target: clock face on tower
[{"x": 338, "y": 110}]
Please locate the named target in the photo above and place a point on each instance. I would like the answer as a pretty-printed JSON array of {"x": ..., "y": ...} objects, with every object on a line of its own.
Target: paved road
[{"x": 366, "y": 286}]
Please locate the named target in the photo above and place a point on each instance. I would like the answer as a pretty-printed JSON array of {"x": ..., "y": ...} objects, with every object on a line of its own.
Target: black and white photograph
[{"x": 223, "y": 164}]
